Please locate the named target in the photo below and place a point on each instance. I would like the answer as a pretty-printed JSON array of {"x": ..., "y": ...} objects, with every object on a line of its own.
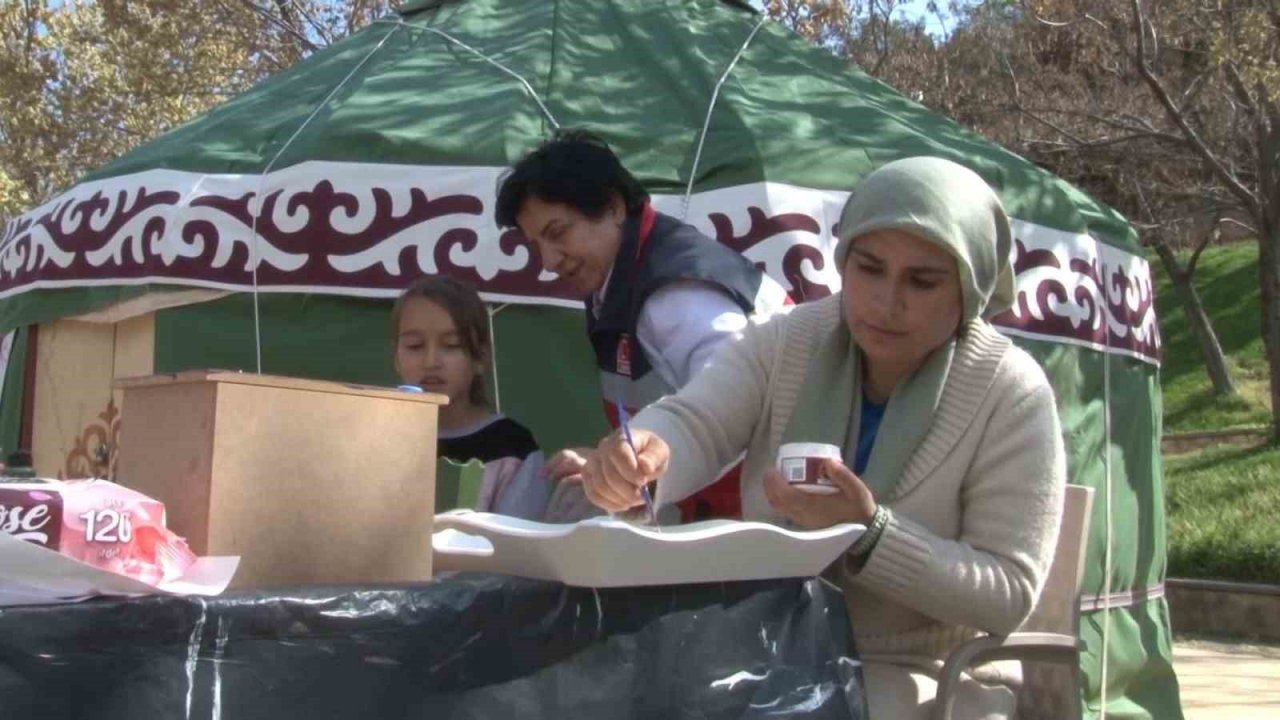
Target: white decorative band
[
  {"x": 368, "y": 229},
  {"x": 1127, "y": 598}
]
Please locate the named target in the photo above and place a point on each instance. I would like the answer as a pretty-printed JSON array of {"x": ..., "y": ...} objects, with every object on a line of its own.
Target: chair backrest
[
  {"x": 1059, "y": 605},
  {"x": 1050, "y": 691}
]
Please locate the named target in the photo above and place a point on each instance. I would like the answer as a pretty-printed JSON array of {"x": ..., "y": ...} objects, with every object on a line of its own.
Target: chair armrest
[{"x": 1027, "y": 646}]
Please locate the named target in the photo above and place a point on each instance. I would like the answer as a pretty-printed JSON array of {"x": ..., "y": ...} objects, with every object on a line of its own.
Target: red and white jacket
[{"x": 673, "y": 295}]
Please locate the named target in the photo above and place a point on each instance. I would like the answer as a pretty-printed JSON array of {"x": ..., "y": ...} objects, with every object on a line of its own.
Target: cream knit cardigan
[{"x": 974, "y": 517}]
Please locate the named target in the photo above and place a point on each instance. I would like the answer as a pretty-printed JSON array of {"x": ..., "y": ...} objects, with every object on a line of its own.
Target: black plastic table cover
[{"x": 461, "y": 646}]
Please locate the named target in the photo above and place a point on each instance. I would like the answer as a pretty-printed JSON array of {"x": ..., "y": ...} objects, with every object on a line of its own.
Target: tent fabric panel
[
  {"x": 403, "y": 94},
  {"x": 417, "y": 100},
  {"x": 1141, "y": 681},
  {"x": 424, "y": 92},
  {"x": 1137, "y": 495},
  {"x": 548, "y": 377},
  {"x": 308, "y": 336},
  {"x": 244, "y": 133},
  {"x": 33, "y": 308},
  {"x": 1139, "y": 656},
  {"x": 13, "y": 394}
]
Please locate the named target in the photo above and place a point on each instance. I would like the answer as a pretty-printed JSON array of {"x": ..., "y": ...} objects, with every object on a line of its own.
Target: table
[{"x": 461, "y": 646}]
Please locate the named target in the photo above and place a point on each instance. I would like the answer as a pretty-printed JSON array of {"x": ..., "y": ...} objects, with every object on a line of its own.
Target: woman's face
[
  {"x": 430, "y": 352},
  {"x": 902, "y": 297},
  {"x": 579, "y": 249}
]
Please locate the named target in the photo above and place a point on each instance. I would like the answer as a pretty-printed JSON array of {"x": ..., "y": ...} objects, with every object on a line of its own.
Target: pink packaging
[{"x": 97, "y": 522}]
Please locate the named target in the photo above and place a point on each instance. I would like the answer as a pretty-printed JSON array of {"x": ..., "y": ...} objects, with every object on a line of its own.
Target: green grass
[
  {"x": 1223, "y": 507},
  {"x": 1223, "y": 504},
  {"x": 1227, "y": 281}
]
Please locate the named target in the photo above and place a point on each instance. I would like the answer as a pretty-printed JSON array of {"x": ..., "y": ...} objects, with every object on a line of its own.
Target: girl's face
[
  {"x": 902, "y": 297},
  {"x": 430, "y": 352}
]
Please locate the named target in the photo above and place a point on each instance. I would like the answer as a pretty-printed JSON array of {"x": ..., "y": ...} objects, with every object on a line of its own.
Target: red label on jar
[{"x": 804, "y": 471}]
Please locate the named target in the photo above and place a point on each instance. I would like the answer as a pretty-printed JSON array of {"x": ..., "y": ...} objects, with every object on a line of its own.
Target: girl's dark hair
[
  {"x": 468, "y": 313},
  {"x": 575, "y": 168}
]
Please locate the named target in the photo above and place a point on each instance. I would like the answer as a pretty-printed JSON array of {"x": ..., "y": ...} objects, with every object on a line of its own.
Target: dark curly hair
[{"x": 575, "y": 168}]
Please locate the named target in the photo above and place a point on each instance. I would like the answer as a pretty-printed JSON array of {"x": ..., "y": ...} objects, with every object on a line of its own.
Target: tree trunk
[
  {"x": 1267, "y": 126},
  {"x": 1215, "y": 362},
  {"x": 1269, "y": 283}
]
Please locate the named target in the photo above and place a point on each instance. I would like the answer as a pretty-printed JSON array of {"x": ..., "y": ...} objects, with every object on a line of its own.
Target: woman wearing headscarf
[{"x": 952, "y": 453}]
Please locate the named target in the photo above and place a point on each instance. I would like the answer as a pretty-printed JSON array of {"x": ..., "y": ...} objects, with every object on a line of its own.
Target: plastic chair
[{"x": 1050, "y": 635}]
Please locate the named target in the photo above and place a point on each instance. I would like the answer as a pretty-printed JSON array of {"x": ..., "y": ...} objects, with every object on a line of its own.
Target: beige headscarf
[
  {"x": 951, "y": 206},
  {"x": 948, "y": 205}
]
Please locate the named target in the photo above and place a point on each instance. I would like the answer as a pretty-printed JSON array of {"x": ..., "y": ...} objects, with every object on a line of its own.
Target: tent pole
[
  {"x": 262, "y": 182},
  {"x": 1106, "y": 466},
  {"x": 528, "y": 88},
  {"x": 493, "y": 351},
  {"x": 706, "y": 122}
]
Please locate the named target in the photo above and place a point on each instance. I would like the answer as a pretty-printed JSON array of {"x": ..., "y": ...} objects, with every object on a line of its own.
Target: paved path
[{"x": 1222, "y": 681}]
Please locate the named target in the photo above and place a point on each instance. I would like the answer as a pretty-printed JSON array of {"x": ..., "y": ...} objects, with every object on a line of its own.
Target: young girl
[{"x": 443, "y": 346}]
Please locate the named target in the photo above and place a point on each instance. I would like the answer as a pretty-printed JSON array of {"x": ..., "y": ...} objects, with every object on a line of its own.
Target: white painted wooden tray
[{"x": 605, "y": 552}]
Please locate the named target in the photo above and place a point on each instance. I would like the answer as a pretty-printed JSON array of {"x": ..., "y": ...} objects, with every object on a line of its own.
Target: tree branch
[
  {"x": 1063, "y": 23},
  {"x": 1142, "y": 127},
  {"x": 1244, "y": 226},
  {"x": 1193, "y": 90},
  {"x": 123, "y": 129},
  {"x": 1053, "y": 23},
  {"x": 1247, "y": 197},
  {"x": 883, "y": 46},
  {"x": 1214, "y": 233},
  {"x": 320, "y": 29},
  {"x": 354, "y": 11},
  {"x": 1061, "y": 131},
  {"x": 1213, "y": 193},
  {"x": 1238, "y": 87},
  {"x": 1096, "y": 21},
  {"x": 942, "y": 20},
  {"x": 1158, "y": 241},
  {"x": 1079, "y": 144},
  {"x": 278, "y": 22}
]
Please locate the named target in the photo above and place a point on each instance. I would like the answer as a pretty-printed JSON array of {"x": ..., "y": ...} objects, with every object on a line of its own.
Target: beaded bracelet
[{"x": 865, "y": 544}]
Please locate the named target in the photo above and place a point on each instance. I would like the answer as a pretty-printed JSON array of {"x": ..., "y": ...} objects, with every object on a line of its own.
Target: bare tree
[
  {"x": 1060, "y": 82},
  {"x": 1182, "y": 277},
  {"x": 1248, "y": 165},
  {"x": 872, "y": 34},
  {"x": 1057, "y": 81},
  {"x": 82, "y": 83}
]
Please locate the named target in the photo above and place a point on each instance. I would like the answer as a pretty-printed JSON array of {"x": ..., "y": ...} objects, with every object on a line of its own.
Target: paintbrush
[{"x": 623, "y": 422}]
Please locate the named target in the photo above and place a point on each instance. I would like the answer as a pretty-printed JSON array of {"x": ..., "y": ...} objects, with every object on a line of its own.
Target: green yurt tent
[{"x": 272, "y": 232}]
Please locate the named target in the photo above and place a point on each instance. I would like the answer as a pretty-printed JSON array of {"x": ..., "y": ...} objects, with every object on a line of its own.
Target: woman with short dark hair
[
  {"x": 574, "y": 168},
  {"x": 660, "y": 295}
]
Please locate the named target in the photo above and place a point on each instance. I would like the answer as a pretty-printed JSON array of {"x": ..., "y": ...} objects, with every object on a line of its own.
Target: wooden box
[{"x": 307, "y": 481}]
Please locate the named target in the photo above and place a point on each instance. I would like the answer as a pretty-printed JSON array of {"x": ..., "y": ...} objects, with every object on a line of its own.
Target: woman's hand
[
  {"x": 852, "y": 503},
  {"x": 569, "y": 504},
  {"x": 614, "y": 474},
  {"x": 567, "y": 464}
]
